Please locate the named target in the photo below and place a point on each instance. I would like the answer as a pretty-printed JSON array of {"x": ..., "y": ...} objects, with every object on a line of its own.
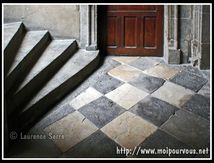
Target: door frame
[{"x": 89, "y": 33}]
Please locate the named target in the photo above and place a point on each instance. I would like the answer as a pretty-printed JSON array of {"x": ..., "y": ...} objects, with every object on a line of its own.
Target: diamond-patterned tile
[
  {"x": 125, "y": 60},
  {"x": 101, "y": 111},
  {"x": 189, "y": 128},
  {"x": 86, "y": 97},
  {"x": 125, "y": 73},
  {"x": 154, "y": 110},
  {"x": 144, "y": 63},
  {"x": 73, "y": 128},
  {"x": 129, "y": 130},
  {"x": 147, "y": 83},
  {"x": 189, "y": 80},
  {"x": 58, "y": 114},
  {"x": 198, "y": 104},
  {"x": 173, "y": 94},
  {"x": 107, "y": 84},
  {"x": 205, "y": 90},
  {"x": 126, "y": 95},
  {"x": 97, "y": 145},
  {"x": 191, "y": 69},
  {"x": 162, "y": 140},
  {"x": 162, "y": 71}
]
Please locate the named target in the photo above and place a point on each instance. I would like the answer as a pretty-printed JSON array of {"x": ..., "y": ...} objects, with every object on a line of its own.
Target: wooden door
[{"x": 133, "y": 30}]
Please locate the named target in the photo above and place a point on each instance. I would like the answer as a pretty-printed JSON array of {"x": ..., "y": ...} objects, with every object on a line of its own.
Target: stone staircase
[{"x": 38, "y": 72}]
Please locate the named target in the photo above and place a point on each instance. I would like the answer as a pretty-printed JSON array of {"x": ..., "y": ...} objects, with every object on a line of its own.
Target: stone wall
[
  {"x": 60, "y": 20},
  {"x": 205, "y": 41},
  {"x": 185, "y": 31},
  {"x": 188, "y": 31}
]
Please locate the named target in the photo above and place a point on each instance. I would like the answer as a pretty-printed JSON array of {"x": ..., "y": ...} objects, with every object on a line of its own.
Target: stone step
[
  {"x": 31, "y": 48},
  {"x": 78, "y": 67},
  {"x": 52, "y": 59},
  {"x": 13, "y": 35}
]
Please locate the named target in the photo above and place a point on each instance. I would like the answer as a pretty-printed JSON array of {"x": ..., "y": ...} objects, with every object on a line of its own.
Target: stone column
[
  {"x": 88, "y": 27},
  {"x": 171, "y": 49},
  {"x": 200, "y": 45}
]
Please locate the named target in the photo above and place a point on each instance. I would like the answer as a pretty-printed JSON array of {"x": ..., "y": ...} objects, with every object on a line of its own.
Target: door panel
[
  {"x": 130, "y": 32},
  {"x": 149, "y": 32},
  {"x": 133, "y": 30},
  {"x": 112, "y": 21}
]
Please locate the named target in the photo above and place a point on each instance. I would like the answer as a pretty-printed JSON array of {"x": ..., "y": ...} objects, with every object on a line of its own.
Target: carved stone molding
[
  {"x": 88, "y": 27},
  {"x": 171, "y": 51}
]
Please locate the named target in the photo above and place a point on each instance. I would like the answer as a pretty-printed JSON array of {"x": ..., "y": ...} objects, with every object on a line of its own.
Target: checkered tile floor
[{"x": 132, "y": 102}]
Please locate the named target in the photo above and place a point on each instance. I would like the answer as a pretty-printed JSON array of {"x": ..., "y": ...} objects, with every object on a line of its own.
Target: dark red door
[{"x": 133, "y": 30}]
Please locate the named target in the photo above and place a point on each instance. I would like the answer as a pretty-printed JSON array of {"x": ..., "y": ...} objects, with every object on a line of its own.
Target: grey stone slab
[
  {"x": 191, "y": 69},
  {"x": 98, "y": 145},
  {"x": 144, "y": 63},
  {"x": 106, "y": 84},
  {"x": 101, "y": 111},
  {"x": 57, "y": 114},
  {"x": 147, "y": 83},
  {"x": 198, "y": 104},
  {"x": 161, "y": 142},
  {"x": 189, "y": 128},
  {"x": 205, "y": 90},
  {"x": 154, "y": 110},
  {"x": 206, "y": 74},
  {"x": 189, "y": 80}
]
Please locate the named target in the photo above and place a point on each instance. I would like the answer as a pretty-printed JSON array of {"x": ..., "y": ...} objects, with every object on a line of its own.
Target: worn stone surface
[
  {"x": 198, "y": 104},
  {"x": 144, "y": 63},
  {"x": 97, "y": 145},
  {"x": 174, "y": 56},
  {"x": 147, "y": 83},
  {"x": 85, "y": 97},
  {"x": 189, "y": 80},
  {"x": 126, "y": 95},
  {"x": 107, "y": 65},
  {"x": 177, "y": 129},
  {"x": 189, "y": 128},
  {"x": 29, "y": 42},
  {"x": 76, "y": 63},
  {"x": 173, "y": 94},
  {"x": 107, "y": 84},
  {"x": 127, "y": 132},
  {"x": 191, "y": 69},
  {"x": 154, "y": 110},
  {"x": 160, "y": 140},
  {"x": 125, "y": 73},
  {"x": 124, "y": 60},
  {"x": 205, "y": 90},
  {"x": 73, "y": 128},
  {"x": 51, "y": 53},
  {"x": 58, "y": 114},
  {"x": 101, "y": 111},
  {"x": 161, "y": 71}
]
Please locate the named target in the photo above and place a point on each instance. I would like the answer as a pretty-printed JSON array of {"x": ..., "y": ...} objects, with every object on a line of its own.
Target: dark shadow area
[{"x": 102, "y": 30}]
